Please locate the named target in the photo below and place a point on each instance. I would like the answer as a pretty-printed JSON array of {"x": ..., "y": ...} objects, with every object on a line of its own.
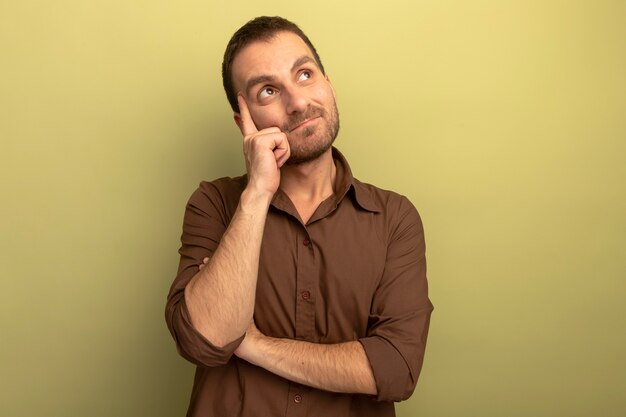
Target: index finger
[{"x": 247, "y": 124}]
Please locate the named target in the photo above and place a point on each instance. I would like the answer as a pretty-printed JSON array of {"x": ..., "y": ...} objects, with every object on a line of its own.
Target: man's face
[{"x": 283, "y": 87}]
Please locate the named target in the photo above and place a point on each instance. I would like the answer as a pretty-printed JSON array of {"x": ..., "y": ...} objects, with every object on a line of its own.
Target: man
[{"x": 301, "y": 291}]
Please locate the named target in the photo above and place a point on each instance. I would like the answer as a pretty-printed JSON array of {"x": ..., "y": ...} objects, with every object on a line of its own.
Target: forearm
[
  {"x": 341, "y": 367},
  {"x": 220, "y": 297}
]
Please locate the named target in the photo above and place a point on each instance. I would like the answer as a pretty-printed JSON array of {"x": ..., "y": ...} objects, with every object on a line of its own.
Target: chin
[{"x": 302, "y": 156}]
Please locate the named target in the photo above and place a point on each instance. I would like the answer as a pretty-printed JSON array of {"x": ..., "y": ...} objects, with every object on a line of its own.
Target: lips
[
  {"x": 305, "y": 122},
  {"x": 301, "y": 119}
]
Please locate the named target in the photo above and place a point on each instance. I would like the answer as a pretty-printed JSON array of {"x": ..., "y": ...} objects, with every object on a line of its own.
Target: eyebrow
[
  {"x": 258, "y": 80},
  {"x": 302, "y": 60},
  {"x": 270, "y": 78}
]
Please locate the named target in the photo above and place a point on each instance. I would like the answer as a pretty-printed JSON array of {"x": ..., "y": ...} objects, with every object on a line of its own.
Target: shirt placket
[
  {"x": 306, "y": 282},
  {"x": 298, "y": 401}
]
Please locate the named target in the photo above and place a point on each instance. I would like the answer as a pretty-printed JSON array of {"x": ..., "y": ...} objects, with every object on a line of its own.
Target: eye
[
  {"x": 304, "y": 75},
  {"x": 266, "y": 92}
]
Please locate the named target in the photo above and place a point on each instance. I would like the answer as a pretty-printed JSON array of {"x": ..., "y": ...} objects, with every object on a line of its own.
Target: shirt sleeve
[
  {"x": 205, "y": 222},
  {"x": 400, "y": 312}
]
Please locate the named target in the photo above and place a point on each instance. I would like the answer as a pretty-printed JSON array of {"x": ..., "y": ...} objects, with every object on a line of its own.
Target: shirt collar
[{"x": 345, "y": 182}]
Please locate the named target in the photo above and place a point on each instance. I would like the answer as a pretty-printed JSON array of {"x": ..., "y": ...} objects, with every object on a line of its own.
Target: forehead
[{"x": 273, "y": 57}]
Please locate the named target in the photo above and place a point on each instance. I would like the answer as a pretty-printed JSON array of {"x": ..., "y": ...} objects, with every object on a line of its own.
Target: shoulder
[
  {"x": 396, "y": 209},
  {"x": 225, "y": 187},
  {"x": 381, "y": 199},
  {"x": 218, "y": 196}
]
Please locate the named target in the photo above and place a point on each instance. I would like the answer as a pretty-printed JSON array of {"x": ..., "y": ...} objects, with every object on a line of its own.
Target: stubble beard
[{"x": 307, "y": 147}]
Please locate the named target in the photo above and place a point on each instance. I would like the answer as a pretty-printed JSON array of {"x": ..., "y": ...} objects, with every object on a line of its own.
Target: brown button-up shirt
[{"x": 355, "y": 271}]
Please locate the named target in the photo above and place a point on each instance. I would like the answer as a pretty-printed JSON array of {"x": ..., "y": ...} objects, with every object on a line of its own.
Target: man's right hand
[{"x": 265, "y": 152}]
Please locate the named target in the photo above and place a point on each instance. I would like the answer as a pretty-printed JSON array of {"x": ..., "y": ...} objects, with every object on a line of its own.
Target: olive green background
[{"x": 503, "y": 121}]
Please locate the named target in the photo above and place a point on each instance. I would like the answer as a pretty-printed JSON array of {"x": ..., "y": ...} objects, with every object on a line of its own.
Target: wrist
[
  {"x": 251, "y": 347},
  {"x": 254, "y": 199}
]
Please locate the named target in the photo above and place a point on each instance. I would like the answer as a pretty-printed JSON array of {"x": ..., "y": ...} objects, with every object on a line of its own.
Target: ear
[{"x": 237, "y": 119}]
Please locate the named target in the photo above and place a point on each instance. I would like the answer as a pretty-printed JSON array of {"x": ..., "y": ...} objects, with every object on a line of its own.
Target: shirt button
[
  {"x": 306, "y": 241},
  {"x": 306, "y": 295},
  {"x": 297, "y": 398}
]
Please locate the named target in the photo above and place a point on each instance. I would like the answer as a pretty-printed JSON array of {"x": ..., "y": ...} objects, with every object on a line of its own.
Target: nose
[{"x": 295, "y": 100}]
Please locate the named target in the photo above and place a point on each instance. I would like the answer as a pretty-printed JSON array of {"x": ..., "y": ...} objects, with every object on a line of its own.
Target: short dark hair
[{"x": 261, "y": 28}]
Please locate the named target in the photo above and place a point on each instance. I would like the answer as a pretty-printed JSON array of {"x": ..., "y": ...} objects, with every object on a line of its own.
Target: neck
[{"x": 310, "y": 183}]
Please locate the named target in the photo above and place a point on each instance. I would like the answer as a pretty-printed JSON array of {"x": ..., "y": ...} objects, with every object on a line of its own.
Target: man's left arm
[
  {"x": 340, "y": 367},
  {"x": 400, "y": 313}
]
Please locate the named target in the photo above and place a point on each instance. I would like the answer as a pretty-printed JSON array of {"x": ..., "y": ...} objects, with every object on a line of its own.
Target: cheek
[
  {"x": 265, "y": 118},
  {"x": 324, "y": 92}
]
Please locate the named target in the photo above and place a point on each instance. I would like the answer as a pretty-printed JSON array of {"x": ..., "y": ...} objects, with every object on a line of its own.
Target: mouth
[{"x": 305, "y": 123}]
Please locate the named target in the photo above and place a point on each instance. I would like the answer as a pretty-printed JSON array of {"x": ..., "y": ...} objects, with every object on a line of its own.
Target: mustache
[{"x": 297, "y": 119}]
